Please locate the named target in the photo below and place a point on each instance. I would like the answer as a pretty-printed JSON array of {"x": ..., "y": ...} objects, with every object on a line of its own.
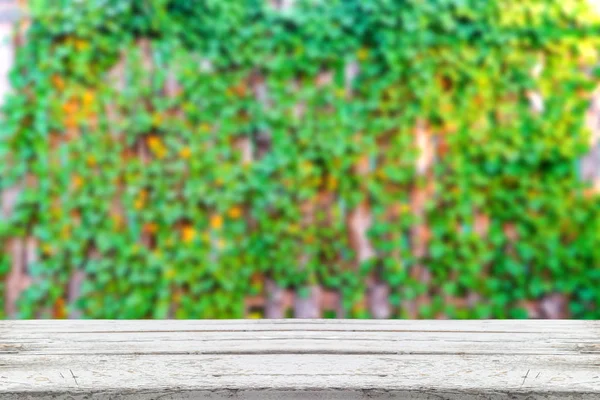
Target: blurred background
[{"x": 299, "y": 158}]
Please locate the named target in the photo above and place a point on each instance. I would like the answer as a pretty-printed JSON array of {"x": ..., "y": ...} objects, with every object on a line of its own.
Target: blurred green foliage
[{"x": 214, "y": 224}]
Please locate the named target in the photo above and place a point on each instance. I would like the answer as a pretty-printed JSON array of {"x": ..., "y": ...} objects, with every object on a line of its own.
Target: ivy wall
[{"x": 230, "y": 158}]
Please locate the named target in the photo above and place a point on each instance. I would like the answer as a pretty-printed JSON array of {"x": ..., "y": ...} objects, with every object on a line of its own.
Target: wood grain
[{"x": 294, "y": 359}]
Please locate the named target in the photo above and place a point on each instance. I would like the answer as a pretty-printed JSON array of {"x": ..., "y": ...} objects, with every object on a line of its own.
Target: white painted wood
[{"x": 300, "y": 359}]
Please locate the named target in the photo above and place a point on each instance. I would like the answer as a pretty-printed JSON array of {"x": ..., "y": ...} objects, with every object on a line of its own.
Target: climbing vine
[{"x": 176, "y": 154}]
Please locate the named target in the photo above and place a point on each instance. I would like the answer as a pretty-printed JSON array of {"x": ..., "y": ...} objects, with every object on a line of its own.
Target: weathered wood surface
[{"x": 284, "y": 359}]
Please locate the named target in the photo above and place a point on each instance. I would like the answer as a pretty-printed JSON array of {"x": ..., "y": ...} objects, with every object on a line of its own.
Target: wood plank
[
  {"x": 330, "y": 359},
  {"x": 187, "y": 342},
  {"x": 567, "y": 327}
]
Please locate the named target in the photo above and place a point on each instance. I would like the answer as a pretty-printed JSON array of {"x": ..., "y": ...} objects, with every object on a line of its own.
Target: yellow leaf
[
  {"x": 332, "y": 182},
  {"x": 47, "y": 249},
  {"x": 58, "y": 82},
  {"x": 362, "y": 54},
  {"x": 188, "y": 233},
  {"x": 204, "y": 127},
  {"x": 139, "y": 204},
  {"x": 170, "y": 273},
  {"x": 185, "y": 153},
  {"x": 235, "y": 212},
  {"x": 81, "y": 44},
  {"x": 154, "y": 142},
  {"x": 77, "y": 181},
  {"x": 88, "y": 98},
  {"x": 91, "y": 161},
  {"x": 216, "y": 222}
]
